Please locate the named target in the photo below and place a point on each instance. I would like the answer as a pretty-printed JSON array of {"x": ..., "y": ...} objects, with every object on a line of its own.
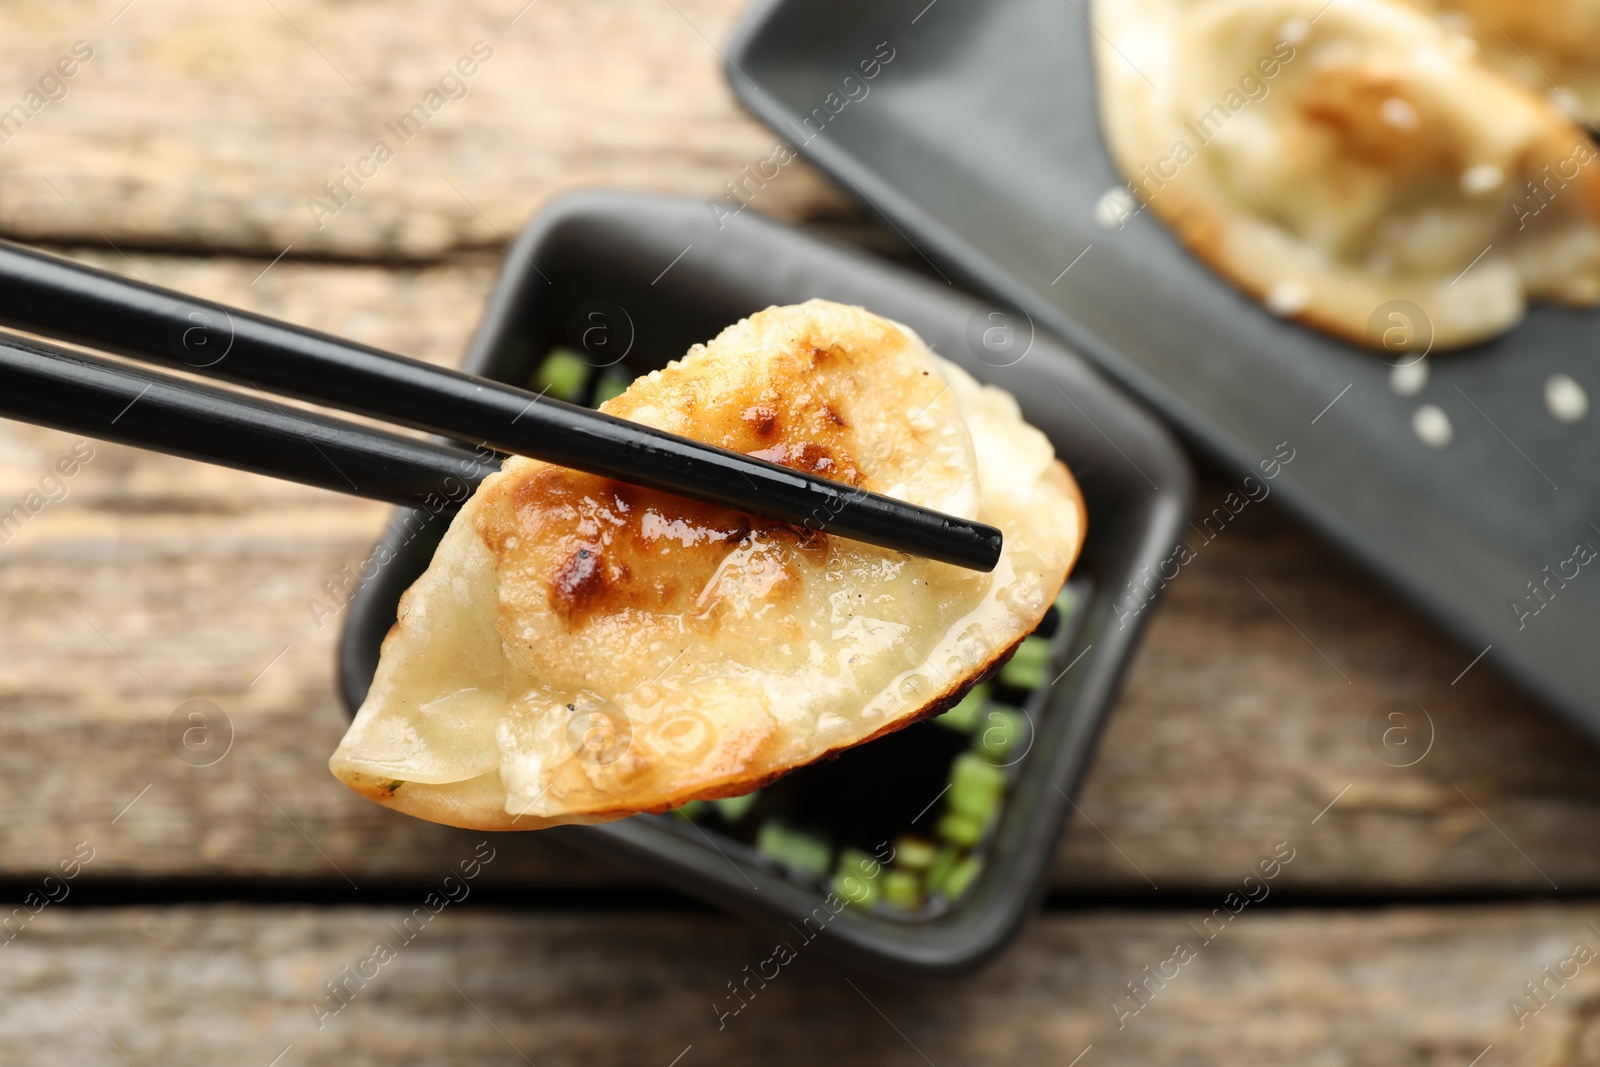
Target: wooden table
[{"x": 219, "y": 899}]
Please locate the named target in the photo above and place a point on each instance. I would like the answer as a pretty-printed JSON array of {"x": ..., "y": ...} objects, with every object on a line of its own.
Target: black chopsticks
[
  {"x": 60, "y": 299},
  {"x": 113, "y": 401}
]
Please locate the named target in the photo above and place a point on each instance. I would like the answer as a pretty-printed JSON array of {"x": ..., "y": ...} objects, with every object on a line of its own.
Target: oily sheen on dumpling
[
  {"x": 1332, "y": 159},
  {"x": 581, "y": 650}
]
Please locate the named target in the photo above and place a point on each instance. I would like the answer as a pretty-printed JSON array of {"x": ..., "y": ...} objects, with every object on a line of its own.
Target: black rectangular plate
[
  {"x": 665, "y": 277},
  {"x": 980, "y": 142}
]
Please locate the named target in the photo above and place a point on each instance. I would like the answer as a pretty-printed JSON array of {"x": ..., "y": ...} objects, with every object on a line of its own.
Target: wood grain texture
[
  {"x": 158, "y": 581},
  {"x": 1246, "y": 714},
  {"x": 208, "y": 985},
  {"x": 198, "y": 127}
]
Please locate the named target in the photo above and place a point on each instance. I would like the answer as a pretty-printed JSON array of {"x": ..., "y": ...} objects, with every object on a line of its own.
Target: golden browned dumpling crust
[
  {"x": 581, "y": 650},
  {"x": 1332, "y": 160}
]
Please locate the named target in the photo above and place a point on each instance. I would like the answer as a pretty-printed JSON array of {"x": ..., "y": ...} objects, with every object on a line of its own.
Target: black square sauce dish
[{"x": 920, "y": 853}]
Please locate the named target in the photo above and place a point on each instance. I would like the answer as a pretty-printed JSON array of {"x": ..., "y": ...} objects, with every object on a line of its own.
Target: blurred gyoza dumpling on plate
[
  {"x": 581, "y": 650},
  {"x": 1549, "y": 47},
  {"x": 1333, "y": 159}
]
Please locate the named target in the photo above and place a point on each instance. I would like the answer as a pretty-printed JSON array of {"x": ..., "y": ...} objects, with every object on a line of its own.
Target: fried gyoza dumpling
[
  {"x": 581, "y": 650},
  {"x": 1550, "y": 47},
  {"x": 1330, "y": 159}
]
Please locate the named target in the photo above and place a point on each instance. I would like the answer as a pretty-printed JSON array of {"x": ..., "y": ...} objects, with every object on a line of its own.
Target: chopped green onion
[
  {"x": 734, "y": 808},
  {"x": 961, "y": 877},
  {"x": 797, "y": 850},
  {"x": 940, "y": 869},
  {"x": 959, "y": 828},
  {"x": 562, "y": 375},
  {"x": 963, "y": 715},
  {"x": 690, "y": 811},
  {"x": 858, "y": 862},
  {"x": 856, "y": 879},
  {"x": 855, "y": 889},
  {"x": 914, "y": 853},
  {"x": 902, "y": 890},
  {"x": 1000, "y": 731},
  {"x": 1027, "y": 667},
  {"x": 611, "y": 384},
  {"x": 976, "y": 786}
]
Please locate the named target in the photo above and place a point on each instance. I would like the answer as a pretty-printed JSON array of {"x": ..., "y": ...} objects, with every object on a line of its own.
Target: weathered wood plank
[
  {"x": 1233, "y": 734},
  {"x": 206, "y": 985},
  {"x": 1239, "y": 725},
  {"x": 157, "y": 581},
  {"x": 195, "y": 126}
]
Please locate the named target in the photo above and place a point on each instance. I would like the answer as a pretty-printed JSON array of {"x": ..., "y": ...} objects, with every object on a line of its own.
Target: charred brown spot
[
  {"x": 819, "y": 356},
  {"x": 761, "y": 419},
  {"x": 812, "y": 457},
  {"x": 578, "y": 583},
  {"x": 833, "y": 416}
]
